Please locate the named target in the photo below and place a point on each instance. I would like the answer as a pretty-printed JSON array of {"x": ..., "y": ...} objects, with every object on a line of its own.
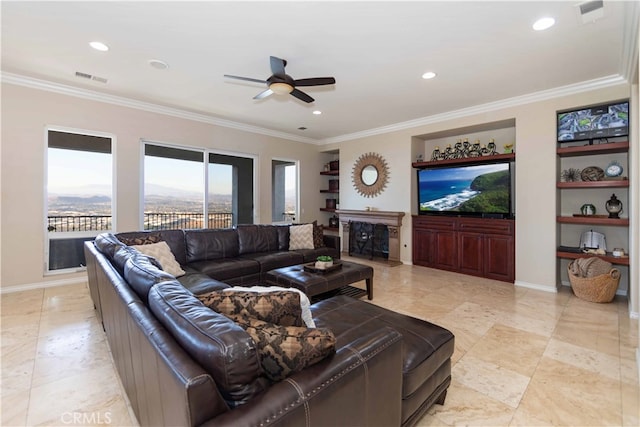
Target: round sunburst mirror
[{"x": 370, "y": 174}]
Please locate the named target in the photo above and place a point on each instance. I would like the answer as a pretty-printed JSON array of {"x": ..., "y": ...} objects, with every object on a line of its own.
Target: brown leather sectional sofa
[{"x": 182, "y": 363}]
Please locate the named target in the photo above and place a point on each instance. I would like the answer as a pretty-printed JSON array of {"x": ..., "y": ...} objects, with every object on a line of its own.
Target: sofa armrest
[
  {"x": 359, "y": 385},
  {"x": 332, "y": 241}
]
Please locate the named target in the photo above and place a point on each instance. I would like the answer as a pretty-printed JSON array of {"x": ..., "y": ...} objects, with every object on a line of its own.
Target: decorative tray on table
[{"x": 311, "y": 268}]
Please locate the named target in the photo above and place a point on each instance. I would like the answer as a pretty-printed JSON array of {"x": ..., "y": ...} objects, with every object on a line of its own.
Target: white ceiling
[{"x": 483, "y": 52}]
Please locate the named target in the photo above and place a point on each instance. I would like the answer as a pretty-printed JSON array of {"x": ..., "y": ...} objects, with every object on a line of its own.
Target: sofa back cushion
[
  {"x": 208, "y": 244},
  {"x": 142, "y": 274},
  {"x": 257, "y": 238},
  {"x": 108, "y": 244},
  {"x": 174, "y": 238},
  {"x": 283, "y": 237},
  {"x": 220, "y": 346}
]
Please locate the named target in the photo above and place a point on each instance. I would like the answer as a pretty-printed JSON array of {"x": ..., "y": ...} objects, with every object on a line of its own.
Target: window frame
[
  {"x": 60, "y": 235},
  {"x": 205, "y": 174}
]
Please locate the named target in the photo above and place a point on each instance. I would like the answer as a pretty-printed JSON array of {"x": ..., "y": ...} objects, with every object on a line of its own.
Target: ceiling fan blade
[
  {"x": 263, "y": 94},
  {"x": 302, "y": 96},
  {"x": 248, "y": 79},
  {"x": 315, "y": 81},
  {"x": 277, "y": 65}
]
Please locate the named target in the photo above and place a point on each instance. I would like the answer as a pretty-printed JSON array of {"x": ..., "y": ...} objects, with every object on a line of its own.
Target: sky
[
  {"x": 459, "y": 173},
  {"x": 78, "y": 172}
]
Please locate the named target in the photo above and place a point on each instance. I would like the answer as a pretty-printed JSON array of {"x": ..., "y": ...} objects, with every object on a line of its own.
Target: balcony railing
[{"x": 152, "y": 221}]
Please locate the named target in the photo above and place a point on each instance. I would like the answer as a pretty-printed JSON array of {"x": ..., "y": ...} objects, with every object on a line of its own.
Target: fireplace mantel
[{"x": 393, "y": 221}]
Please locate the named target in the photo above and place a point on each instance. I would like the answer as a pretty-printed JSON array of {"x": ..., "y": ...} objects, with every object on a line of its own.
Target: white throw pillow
[
  {"x": 305, "y": 304},
  {"x": 162, "y": 253},
  {"x": 301, "y": 237}
]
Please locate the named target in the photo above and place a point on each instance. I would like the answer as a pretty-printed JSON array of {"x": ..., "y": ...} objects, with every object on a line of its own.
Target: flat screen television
[
  {"x": 602, "y": 121},
  {"x": 466, "y": 190}
]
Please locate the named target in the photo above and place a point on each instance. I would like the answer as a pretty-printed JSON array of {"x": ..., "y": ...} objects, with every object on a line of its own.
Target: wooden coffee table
[{"x": 315, "y": 283}]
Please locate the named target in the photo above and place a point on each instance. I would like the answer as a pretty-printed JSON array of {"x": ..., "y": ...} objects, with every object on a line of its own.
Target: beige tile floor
[{"x": 522, "y": 357}]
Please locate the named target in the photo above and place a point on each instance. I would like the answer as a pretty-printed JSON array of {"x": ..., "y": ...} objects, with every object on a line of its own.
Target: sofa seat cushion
[
  {"x": 278, "y": 307},
  {"x": 271, "y": 260},
  {"x": 226, "y": 268},
  {"x": 199, "y": 283},
  {"x": 218, "y": 344},
  {"x": 284, "y": 350},
  {"x": 426, "y": 346},
  {"x": 310, "y": 255}
]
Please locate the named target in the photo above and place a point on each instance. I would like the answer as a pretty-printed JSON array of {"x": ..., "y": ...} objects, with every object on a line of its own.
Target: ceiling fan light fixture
[{"x": 281, "y": 88}]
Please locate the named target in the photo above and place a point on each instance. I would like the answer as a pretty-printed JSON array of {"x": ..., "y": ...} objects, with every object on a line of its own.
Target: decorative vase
[{"x": 613, "y": 206}]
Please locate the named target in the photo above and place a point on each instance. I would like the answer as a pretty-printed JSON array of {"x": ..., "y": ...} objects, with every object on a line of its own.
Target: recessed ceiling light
[
  {"x": 99, "y": 46},
  {"x": 317, "y": 112},
  {"x": 429, "y": 75},
  {"x": 158, "y": 64},
  {"x": 544, "y": 23}
]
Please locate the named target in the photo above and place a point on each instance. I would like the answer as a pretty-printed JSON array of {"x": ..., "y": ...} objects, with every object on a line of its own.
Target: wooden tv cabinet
[{"x": 478, "y": 246}]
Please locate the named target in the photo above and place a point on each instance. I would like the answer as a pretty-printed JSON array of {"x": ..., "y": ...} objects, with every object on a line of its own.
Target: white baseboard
[
  {"x": 43, "y": 285},
  {"x": 535, "y": 286}
]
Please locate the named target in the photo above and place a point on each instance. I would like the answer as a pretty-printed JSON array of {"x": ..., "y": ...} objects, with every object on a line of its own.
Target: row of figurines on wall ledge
[{"x": 463, "y": 149}]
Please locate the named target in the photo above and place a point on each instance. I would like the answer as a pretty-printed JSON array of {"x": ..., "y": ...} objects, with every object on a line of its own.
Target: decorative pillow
[
  {"x": 301, "y": 237},
  {"x": 279, "y": 307},
  {"x": 146, "y": 239},
  {"x": 287, "y": 349},
  {"x": 162, "y": 253},
  {"x": 318, "y": 235},
  {"x": 305, "y": 304}
]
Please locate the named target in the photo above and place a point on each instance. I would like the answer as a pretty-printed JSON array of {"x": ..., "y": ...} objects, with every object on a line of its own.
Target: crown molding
[
  {"x": 571, "y": 89},
  {"x": 485, "y": 108},
  {"x": 63, "y": 89}
]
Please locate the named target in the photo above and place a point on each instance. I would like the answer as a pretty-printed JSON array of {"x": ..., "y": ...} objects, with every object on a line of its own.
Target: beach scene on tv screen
[{"x": 468, "y": 189}]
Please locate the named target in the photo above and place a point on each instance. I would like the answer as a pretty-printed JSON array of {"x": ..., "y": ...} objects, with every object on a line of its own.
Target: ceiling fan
[{"x": 281, "y": 83}]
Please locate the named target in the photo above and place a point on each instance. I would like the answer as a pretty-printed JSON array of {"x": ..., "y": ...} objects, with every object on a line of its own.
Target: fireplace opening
[{"x": 368, "y": 240}]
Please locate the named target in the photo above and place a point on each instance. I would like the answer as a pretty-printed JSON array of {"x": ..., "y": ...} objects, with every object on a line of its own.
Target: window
[
  {"x": 79, "y": 183},
  {"x": 175, "y": 194},
  {"x": 285, "y": 191}
]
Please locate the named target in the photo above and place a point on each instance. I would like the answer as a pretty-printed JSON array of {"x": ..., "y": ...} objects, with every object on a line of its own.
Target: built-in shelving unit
[
  {"x": 592, "y": 191},
  {"x": 332, "y": 193}
]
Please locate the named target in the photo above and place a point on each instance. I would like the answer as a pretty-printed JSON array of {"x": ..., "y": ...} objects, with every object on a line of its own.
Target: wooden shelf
[
  {"x": 466, "y": 160},
  {"x": 327, "y": 210},
  {"x": 589, "y": 150},
  {"x": 330, "y": 191},
  {"x": 332, "y": 173},
  {"x": 608, "y": 257},
  {"x": 619, "y": 222},
  {"x": 608, "y": 183},
  {"x": 326, "y": 227}
]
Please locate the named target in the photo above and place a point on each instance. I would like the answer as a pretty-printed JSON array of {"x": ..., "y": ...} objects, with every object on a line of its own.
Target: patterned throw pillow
[
  {"x": 318, "y": 235},
  {"x": 287, "y": 349},
  {"x": 301, "y": 237},
  {"x": 279, "y": 307},
  {"x": 146, "y": 239},
  {"x": 162, "y": 253}
]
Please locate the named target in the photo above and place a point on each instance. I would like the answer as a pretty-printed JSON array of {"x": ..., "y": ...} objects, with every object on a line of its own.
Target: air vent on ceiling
[
  {"x": 90, "y": 77},
  {"x": 590, "y": 11}
]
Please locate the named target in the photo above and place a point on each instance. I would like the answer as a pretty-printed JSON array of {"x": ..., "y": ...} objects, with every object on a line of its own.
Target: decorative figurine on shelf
[
  {"x": 491, "y": 146},
  {"x": 419, "y": 158},
  {"x": 588, "y": 209},
  {"x": 613, "y": 206},
  {"x": 475, "y": 150},
  {"x": 458, "y": 152},
  {"x": 508, "y": 148},
  {"x": 435, "y": 155},
  {"x": 570, "y": 175},
  {"x": 333, "y": 222}
]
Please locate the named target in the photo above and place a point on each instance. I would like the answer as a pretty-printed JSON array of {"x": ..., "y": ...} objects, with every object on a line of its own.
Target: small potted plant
[{"x": 324, "y": 262}]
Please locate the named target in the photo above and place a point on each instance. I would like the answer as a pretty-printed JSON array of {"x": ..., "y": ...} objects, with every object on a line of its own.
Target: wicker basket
[{"x": 601, "y": 288}]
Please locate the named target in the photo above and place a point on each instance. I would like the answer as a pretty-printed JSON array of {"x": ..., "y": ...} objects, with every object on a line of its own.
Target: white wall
[{"x": 25, "y": 114}]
